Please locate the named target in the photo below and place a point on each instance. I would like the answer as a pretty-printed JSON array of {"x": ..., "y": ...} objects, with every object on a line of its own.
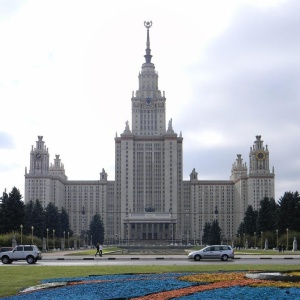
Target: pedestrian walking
[{"x": 98, "y": 250}]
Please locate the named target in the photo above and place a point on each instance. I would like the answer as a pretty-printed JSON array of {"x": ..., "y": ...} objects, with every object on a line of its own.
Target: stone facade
[{"x": 149, "y": 200}]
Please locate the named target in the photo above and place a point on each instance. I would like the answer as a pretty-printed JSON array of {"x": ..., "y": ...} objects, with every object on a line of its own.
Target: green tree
[
  {"x": 64, "y": 221},
  {"x": 215, "y": 233},
  {"x": 3, "y": 204},
  {"x": 52, "y": 219},
  {"x": 289, "y": 212},
  {"x": 267, "y": 215},
  {"x": 34, "y": 216},
  {"x": 12, "y": 211},
  {"x": 97, "y": 229},
  {"x": 250, "y": 221},
  {"x": 28, "y": 209},
  {"x": 241, "y": 229},
  {"x": 38, "y": 219},
  {"x": 206, "y": 234}
]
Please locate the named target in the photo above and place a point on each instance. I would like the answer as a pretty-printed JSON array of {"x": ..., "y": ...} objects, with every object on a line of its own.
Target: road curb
[{"x": 156, "y": 258}]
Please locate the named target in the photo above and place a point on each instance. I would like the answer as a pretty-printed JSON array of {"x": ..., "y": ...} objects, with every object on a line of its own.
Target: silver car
[{"x": 222, "y": 252}]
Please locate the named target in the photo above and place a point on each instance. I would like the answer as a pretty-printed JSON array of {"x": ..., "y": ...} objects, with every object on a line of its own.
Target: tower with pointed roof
[
  {"x": 44, "y": 181},
  {"x": 261, "y": 178},
  {"x": 148, "y": 163}
]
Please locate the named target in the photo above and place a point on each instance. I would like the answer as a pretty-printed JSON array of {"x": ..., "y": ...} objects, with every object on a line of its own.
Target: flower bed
[{"x": 162, "y": 286}]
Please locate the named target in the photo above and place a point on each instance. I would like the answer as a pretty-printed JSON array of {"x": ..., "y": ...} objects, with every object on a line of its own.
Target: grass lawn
[
  {"x": 15, "y": 278},
  {"x": 106, "y": 250},
  {"x": 264, "y": 252}
]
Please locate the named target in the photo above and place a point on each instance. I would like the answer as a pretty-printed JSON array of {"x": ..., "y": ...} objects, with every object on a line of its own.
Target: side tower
[
  {"x": 39, "y": 158},
  {"x": 250, "y": 188},
  {"x": 261, "y": 180},
  {"x": 57, "y": 168},
  {"x": 43, "y": 182},
  {"x": 148, "y": 163},
  {"x": 239, "y": 176}
]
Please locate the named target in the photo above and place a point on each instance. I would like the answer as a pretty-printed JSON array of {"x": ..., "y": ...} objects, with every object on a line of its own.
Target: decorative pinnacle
[
  {"x": 148, "y": 24},
  {"x": 148, "y": 55}
]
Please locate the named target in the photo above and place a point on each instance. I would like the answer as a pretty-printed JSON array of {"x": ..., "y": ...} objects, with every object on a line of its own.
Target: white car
[
  {"x": 222, "y": 252},
  {"x": 30, "y": 253}
]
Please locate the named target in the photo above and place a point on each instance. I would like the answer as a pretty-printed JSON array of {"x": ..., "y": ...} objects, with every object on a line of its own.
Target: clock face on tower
[
  {"x": 38, "y": 155},
  {"x": 260, "y": 155}
]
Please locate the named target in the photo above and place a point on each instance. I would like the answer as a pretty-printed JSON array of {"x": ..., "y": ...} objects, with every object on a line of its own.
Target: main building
[{"x": 149, "y": 200}]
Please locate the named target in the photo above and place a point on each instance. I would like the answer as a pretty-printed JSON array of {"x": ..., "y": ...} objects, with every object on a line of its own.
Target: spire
[
  {"x": 170, "y": 127},
  {"x": 148, "y": 55},
  {"x": 127, "y": 130}
]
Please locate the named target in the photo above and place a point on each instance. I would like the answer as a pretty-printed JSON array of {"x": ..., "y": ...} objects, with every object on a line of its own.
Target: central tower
[
  {"x": 148, "y": 105},
  {"x": 148, "y": 163}
]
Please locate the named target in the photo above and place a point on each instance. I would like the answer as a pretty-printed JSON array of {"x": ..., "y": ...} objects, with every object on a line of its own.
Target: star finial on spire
[{"x": 148, "y": 55}]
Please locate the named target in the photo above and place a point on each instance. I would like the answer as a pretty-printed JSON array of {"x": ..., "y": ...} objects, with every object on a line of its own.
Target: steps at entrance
[{"x": 155, "y": 248}]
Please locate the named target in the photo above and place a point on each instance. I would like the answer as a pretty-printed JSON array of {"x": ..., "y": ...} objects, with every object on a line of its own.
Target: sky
[{"x": 230, "y": 71}]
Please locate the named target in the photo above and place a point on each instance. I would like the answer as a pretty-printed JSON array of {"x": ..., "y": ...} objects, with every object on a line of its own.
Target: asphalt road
[{"x": 165, "y": 260}]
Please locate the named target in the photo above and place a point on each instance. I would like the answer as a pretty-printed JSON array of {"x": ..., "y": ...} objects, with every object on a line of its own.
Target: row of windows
[
  {"x": 85, "y": 188},
  {"x": 214, "y": 188}
]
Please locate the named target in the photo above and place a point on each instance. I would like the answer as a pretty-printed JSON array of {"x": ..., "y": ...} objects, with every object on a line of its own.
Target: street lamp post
[
  {"x": 261, "y": 240},
  {"x": 172, "y": 234},
  {"x": 277, "y": 237},
  {"x": 47, "y": 239},
  {"x": 21, "y": 228},
  {"x": 53, "y": 239},
  {"x": 32, "y": 234},
  {"x": 216, "y": 212},
  {"x": 64, "y": 239},
  {"x": 186, "y": 225},
  {"x": 287, "y": 239},
  {"x": 68, "y": 240},
  {"x": 255, "y": 240}
]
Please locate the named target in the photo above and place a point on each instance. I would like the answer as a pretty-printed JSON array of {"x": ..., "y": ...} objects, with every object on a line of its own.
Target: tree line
[
  {"x": 211, "y": 233},
  {"x": 273, "y": 221},
  {"x": 273, "y": 218},
  {"x": 32, "y": 219}
]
